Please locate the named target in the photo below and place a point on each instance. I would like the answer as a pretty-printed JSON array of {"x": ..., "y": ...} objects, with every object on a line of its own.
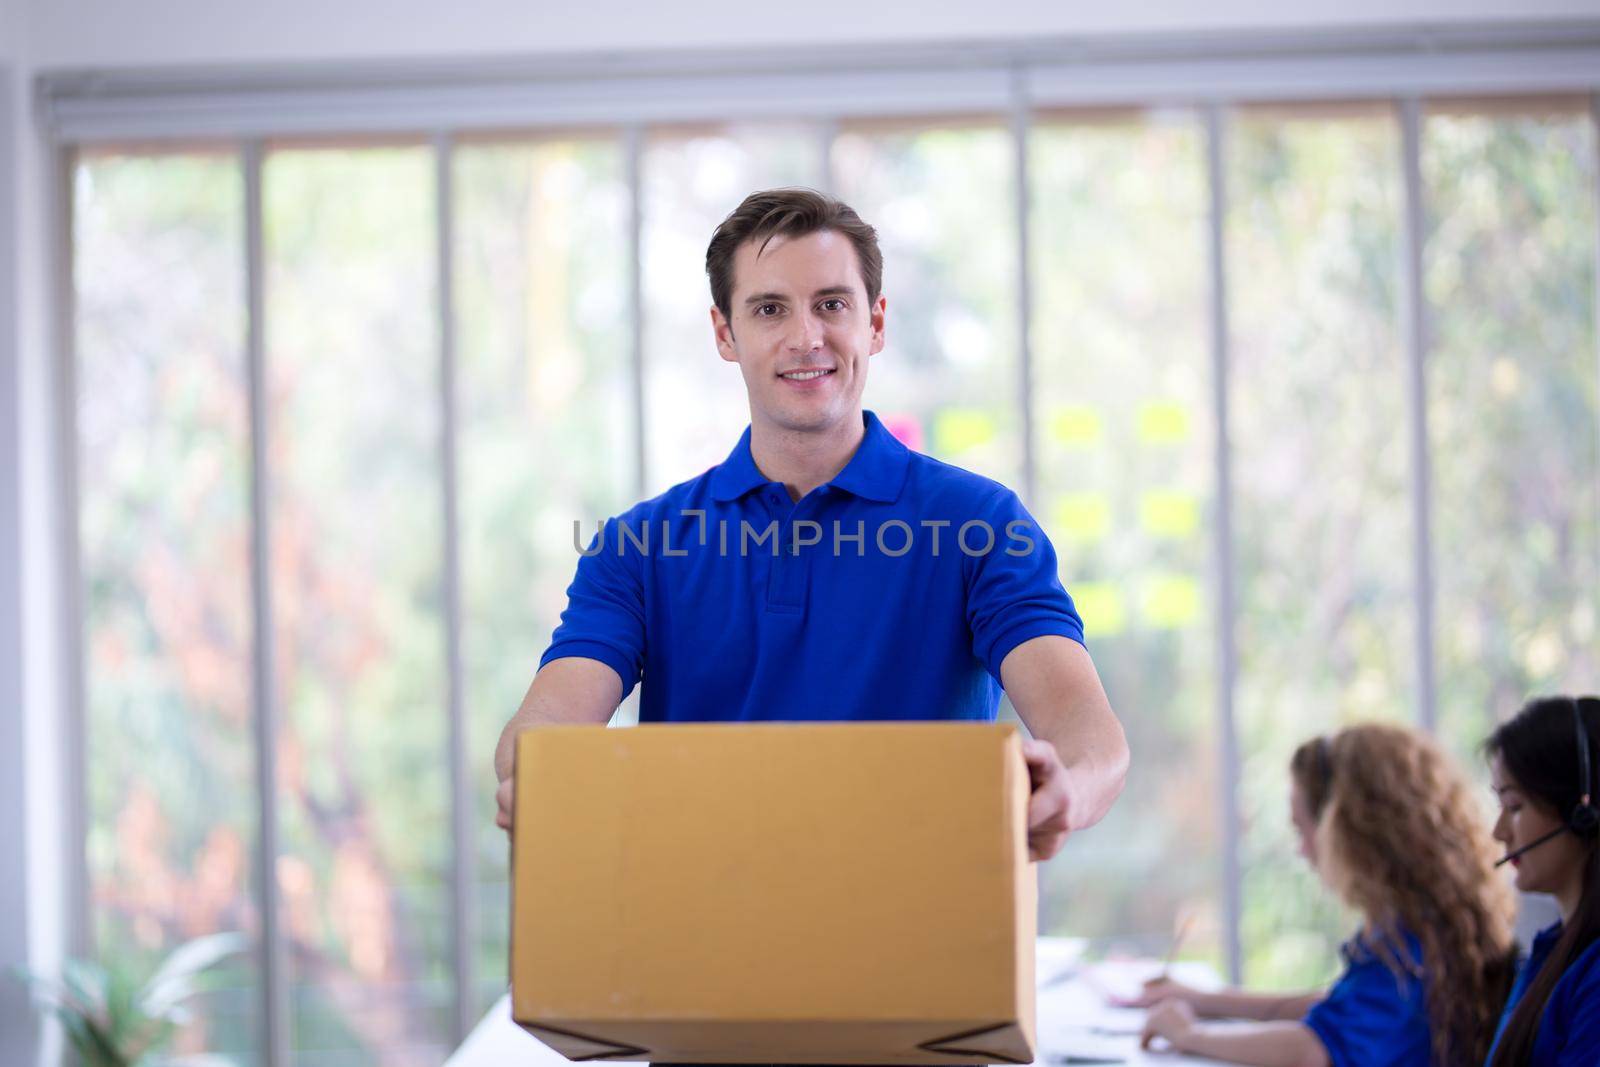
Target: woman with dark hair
[
  {"x": 1389, "y": 824},
  {"x": 1543, "y": 764}
]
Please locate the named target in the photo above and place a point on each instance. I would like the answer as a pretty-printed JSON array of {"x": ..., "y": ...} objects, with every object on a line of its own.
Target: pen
[{"x": 1178, "y": 935}]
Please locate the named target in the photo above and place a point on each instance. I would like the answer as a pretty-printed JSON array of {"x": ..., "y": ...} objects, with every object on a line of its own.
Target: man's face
[{"x": 799, "y": 307}]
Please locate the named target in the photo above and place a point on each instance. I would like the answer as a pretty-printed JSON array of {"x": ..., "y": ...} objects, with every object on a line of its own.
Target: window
[
  {"x": 1123, "y": 446},
  {"x": 357, "y": 559},
  {"x": 545, "y": 424},
  {"x": 1119, "y": 445},
  {"x": 164, "y": 524},
  {"x": 1509, "y": 268},
  {"x": 1321, "y": 483}
]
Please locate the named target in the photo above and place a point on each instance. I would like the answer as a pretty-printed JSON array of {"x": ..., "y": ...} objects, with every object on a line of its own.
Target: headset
[{"x": 1584, "y": 819}]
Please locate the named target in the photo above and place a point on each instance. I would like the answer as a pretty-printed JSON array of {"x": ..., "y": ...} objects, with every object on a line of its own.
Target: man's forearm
[
  {"x": 1096, "y": 766},
  {"x": 1053, "y": 685},
  {"x": 570, "y": 690}
]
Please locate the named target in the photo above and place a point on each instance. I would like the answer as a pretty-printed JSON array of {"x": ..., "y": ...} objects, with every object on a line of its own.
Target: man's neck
[{"x": 804, "y": 460}]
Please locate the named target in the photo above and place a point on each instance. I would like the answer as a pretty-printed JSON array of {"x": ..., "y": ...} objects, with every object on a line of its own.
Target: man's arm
[
  {"x": 1079, "y": 758},
  {"x": 567, "y": 690}
]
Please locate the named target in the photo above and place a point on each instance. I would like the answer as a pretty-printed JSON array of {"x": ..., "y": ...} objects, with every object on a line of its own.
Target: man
[{"x": 824, "y": 571}]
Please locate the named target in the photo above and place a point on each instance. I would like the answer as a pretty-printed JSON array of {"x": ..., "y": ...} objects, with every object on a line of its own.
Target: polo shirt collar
[
  {"x": 738, "y": 474},
  {"x": 877, "y": 471}
]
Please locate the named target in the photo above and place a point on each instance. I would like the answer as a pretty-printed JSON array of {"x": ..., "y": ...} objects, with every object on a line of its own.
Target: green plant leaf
[
  {"x": 48, "y": 992},
  {"x": 123, "y": 1018},
  {"x": 87, "y": 983},
  {"x": 89, "y": 1040},
  {"x": 174, "y": 979}
]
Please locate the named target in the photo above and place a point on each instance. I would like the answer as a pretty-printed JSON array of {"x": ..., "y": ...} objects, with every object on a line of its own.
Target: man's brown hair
[{"x": 788, "y": 213}]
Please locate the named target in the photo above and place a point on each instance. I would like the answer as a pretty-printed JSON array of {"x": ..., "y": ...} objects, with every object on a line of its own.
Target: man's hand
[
  {"x": 1048, "y": 824},
  {"x": 1053, "y": 685},
  {"x": 569, "y": 690},
  {"x": 502, "y": 796}
]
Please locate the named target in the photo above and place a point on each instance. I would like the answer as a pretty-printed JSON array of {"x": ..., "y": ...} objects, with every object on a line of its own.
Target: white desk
[{"x": 1074, "y": 1018}]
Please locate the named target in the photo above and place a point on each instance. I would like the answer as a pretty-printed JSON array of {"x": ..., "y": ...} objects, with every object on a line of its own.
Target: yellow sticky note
[
  {"x": 1168, "y": 513},
  {"x": 1100, "y": 607},
  {"x": 1076, "y": 426},
  {"x": 1171, "y": 601},
  {"x": 1163, "y": 423},
  {"x": 1082, "y": 516},
  {"x": 955, "y": 430}
]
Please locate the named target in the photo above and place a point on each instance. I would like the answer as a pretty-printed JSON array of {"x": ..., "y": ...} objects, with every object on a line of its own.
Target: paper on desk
[
  {"x": 1056, "y": 958},
  {"x": 1119, "y": 980}
]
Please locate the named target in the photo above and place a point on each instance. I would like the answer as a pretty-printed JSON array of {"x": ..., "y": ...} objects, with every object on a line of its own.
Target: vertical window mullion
[
  {"x": 461, "y": 858},
  {"x": 74, "y": 659},
  {"x": 1222, "y": 532},
  {"x": 1019, "y": 136},
  {"x": 1594, "y": 118},
  {"x": 274, "y": 985},
  {"x": 633, "y": 174},
  {"x": 1414, "y": 304}
]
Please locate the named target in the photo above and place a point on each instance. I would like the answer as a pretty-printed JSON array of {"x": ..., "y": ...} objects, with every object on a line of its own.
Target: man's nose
[{"x": 807, "y": 333}]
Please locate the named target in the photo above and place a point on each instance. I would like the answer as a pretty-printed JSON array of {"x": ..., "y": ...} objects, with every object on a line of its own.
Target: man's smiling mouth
[{"x": 804, "y": 375}]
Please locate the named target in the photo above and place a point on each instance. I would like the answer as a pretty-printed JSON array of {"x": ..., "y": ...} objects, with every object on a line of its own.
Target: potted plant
[{"x": 112, "y": 1021}]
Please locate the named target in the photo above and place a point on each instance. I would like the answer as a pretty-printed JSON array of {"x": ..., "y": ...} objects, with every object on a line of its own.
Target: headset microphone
[{"x": 1530, "y": 846}]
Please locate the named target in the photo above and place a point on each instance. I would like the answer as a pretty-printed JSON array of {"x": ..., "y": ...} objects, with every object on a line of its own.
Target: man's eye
[
  {"x": 833, "y": 305},
  {"x": 767, "y": 310}
]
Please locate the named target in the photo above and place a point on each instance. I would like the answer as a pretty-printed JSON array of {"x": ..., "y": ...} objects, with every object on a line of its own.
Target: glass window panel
[
  {"x": 944, "y": 203},
  {"x": 353, "y": 410},
  {"x": 1123, "y": 439},
  {"x": 1321, "y": 485},
  {"x": 163, "y": 476},
  {"x": 545, "y": 433},
  {"x": 1510, "y": 280},
  {"x": 695, "y": 402}
]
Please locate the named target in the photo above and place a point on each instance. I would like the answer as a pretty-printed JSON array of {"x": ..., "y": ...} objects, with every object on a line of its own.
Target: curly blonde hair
[{"x": 1401, "y": 840}]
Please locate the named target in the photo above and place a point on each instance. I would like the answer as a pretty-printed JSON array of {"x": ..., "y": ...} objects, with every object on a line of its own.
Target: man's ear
[
  {"x": 723, "y": 331},
  {"x": 880, "y": 308}
]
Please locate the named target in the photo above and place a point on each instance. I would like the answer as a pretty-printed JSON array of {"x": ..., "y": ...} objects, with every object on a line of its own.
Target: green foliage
[{"x": 112, "y": 1020}]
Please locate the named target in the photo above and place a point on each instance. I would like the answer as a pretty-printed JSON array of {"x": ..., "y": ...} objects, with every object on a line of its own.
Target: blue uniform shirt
[
  {"x": 893, "y": 591},
  {"x": 1569, "y": 1029},
  {"x": 1373, "y": 1017}
]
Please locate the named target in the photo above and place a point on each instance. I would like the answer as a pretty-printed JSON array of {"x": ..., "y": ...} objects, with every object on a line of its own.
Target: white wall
[
  {"x": 17, "y": 1028},
  {"x": 31, "y": 887},
  {"x": 76, "y": 33}
]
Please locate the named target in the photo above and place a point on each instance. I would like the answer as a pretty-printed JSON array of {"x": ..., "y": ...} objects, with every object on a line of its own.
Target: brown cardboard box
[{"x": 775, "y": 893}]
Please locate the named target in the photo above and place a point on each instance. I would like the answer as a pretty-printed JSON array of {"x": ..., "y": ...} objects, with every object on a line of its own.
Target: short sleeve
[
  {"x": 1014, "y": 592},
  {"x": 1579, "y": 1007},
  {"x": 604, "y": 617},
  {"x": 1372, "y": 1018}
]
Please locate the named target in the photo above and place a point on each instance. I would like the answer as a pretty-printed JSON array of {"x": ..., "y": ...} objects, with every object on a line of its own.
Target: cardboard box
[{"x": 774, "y": 893}]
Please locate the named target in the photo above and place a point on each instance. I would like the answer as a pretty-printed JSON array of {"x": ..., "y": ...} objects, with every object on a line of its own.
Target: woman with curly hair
[
  {"x": 1543, "y": 762},
  {"x": 1391, "y": 827}
]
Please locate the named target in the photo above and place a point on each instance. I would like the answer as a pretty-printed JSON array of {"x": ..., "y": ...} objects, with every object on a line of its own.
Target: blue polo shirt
[
  {"x": 1373, "y": 1016},
  {"x": 1569, "y": 1028},
  {"x": 893, "y": 591}
]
